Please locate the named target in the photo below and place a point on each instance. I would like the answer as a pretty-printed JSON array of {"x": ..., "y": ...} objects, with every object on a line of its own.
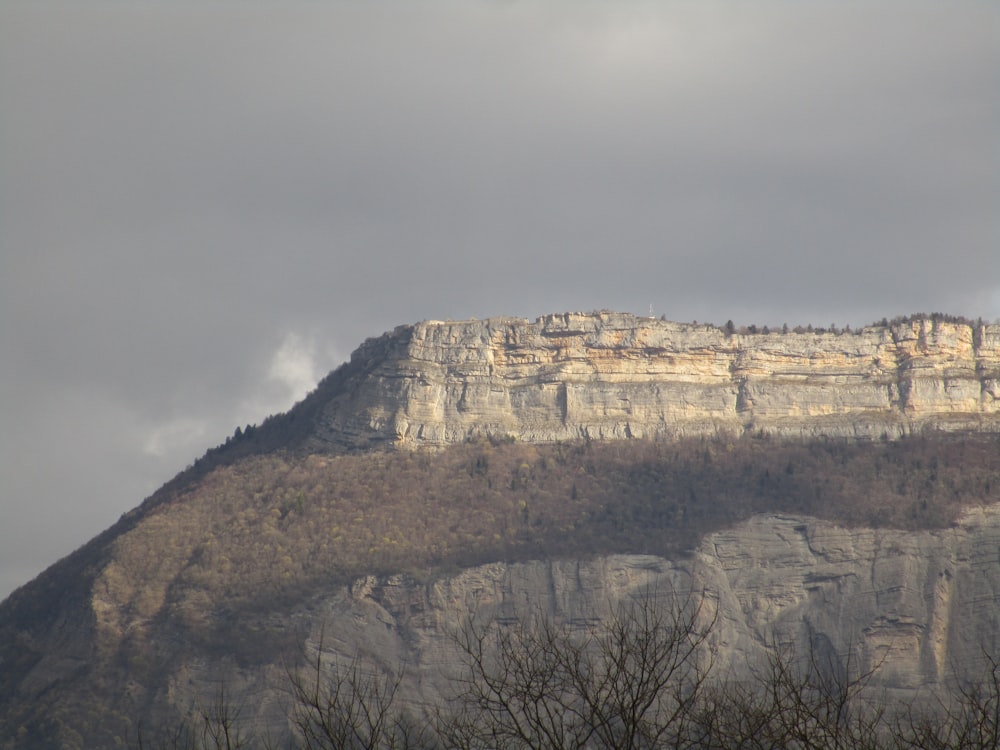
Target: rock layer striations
[
  {"x": 615, "y": 376},
  {"x": 913, "y": 609}
]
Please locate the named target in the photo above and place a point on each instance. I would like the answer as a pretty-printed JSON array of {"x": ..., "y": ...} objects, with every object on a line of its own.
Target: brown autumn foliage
[{"x": 267, "y": 528}]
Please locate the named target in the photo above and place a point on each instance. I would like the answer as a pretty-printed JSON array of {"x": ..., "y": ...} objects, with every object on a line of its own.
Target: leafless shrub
[
  {"x": 352, "y": 707},
  {"x": 630, "y": 682}
]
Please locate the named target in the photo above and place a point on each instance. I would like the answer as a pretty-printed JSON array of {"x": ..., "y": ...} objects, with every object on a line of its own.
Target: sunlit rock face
[{"x": 607, "y": 376}]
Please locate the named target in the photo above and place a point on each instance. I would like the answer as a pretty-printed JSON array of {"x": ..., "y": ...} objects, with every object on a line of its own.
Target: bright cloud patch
[
  {"x": 293, "y": 366},
  {"x": 177, "y": 436},
  {"x": 292, "y": 370}
]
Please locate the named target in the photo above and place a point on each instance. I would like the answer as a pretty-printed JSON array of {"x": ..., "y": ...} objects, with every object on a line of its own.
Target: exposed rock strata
[
  {"x": 613, "y": 376},
  {"x": 912, "y": 606},
  {"x": 919, "y": 604}
]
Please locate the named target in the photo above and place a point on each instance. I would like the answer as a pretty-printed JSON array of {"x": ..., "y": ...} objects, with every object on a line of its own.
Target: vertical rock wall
[
  {"x": 916, "y": 608},
  {"x": 616, "y": 376}
]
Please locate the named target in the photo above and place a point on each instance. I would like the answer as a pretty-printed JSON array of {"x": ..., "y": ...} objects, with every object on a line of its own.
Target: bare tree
[
  {"x": 820, "y": 701},
  {"x": 221, "y": 728},
  {"x": 968, "y": 719},
  {"x": 650, "y": 672},
  {"x": 824, "y": 703},
  {"x": 352, "y": 707},
  {"x": 631, "y": 682},
  {"x": 641, "y": 679},
  {"x": 217, "y": 726}
]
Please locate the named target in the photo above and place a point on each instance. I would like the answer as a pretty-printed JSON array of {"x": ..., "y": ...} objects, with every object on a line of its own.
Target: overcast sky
[{"x": 206, "y": 206}]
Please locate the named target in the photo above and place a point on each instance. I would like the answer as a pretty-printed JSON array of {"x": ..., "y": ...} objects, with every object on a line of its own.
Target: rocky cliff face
[
  {"x": 612, "y": 376},
  {"x": 919, "y": 604},
  {"x": 915, "y": 607}
]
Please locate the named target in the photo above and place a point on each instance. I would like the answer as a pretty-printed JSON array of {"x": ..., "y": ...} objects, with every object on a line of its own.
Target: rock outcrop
[
  {"x": 914, "y": 608},
  {"x": 609, "y": 376}
]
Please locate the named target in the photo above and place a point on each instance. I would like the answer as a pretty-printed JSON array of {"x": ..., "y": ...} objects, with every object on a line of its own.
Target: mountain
[
  {"x": 608, "y": 375},
  {"x": 821, "y": 486}
]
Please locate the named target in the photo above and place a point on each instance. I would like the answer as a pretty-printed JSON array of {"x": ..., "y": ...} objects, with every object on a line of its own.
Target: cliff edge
[{"x": 608, "y": 376}]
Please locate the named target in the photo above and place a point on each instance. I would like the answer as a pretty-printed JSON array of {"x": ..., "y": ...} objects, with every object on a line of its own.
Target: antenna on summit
[{"x": 651, "y": 310}]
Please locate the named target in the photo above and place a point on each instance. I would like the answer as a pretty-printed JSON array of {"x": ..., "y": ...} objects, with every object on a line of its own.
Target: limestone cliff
[
  {"x": 917, "y": 604},
  {"x": 611, "y": 376},
  {"x": 915, "y": 607}
]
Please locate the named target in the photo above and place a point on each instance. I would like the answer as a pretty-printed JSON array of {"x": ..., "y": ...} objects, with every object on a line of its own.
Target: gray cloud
[{"x": 203, "y": 207}]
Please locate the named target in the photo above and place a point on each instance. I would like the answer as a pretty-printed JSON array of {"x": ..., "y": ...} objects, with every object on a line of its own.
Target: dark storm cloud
[{"x": 204, "y": 207}]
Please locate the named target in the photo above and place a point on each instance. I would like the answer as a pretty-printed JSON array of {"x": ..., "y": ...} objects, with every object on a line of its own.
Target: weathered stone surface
[
  {"x": 917, "y": 607},
  {"x": 914, "y": 604},
  {"x": 614, "y": 376}
]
